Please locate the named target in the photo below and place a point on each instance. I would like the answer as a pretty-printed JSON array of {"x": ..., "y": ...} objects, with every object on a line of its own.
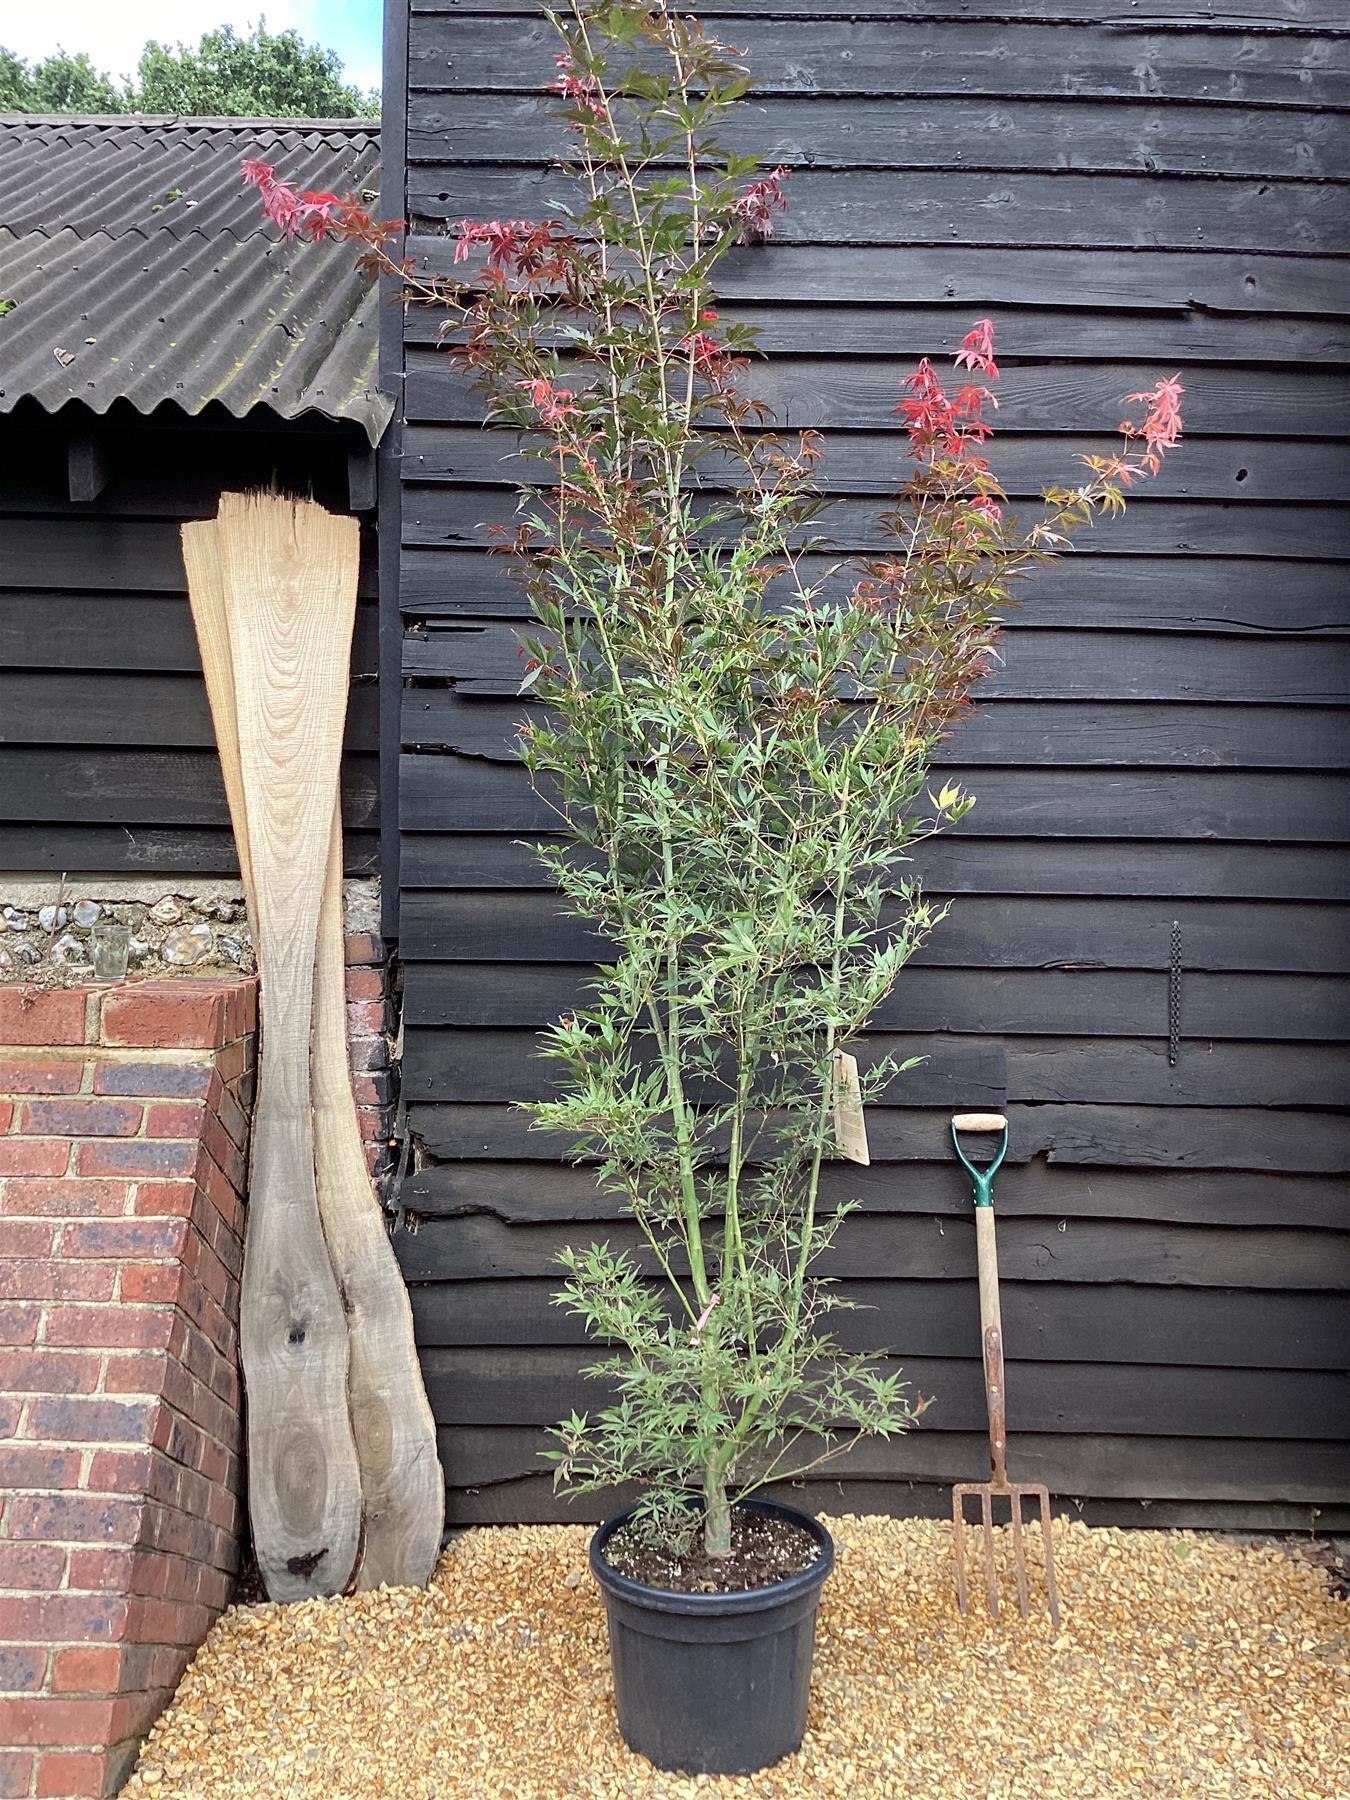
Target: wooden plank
[
  {"x": 39, "y": 706},
  {"x": 981, "y": 932},
  {"x": 1041, "y": 329},
  {"x": 486, "y": 1067},
  {"x": 110, "y": 632},
  {"x": 451, "y": 793},
  {"x": 1298, "y": 16},
  {"x": 449, "y": 130},
  {"x": 529, "y": 1194},
  {"x": 287, "y": 575},
  {"x": 858, "y": 393},
  {"x": 152, "y": 787},
  {"x": 1141, "y": 734},
  {"x": 855, "y": 56},
  {"x": 1192, "y": 1327},
  {"x": 115, "y": 555},
  {"x": 535, "y": 1385},
  {"x": 970, "y": 865},
  {"x": 86, "y": 470},
  {"x": 934, "y": 1249},
  {"x": 1261, "y": 282},
  {"x": 149, "y": 850}
]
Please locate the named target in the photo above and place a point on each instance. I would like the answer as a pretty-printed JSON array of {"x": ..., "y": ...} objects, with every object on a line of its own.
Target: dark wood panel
[
  {"x": 1262, "y": 282},
  {"x": 970, "y": 866},
  {"x": 1141, "y": 1137},
  {"x": 119, "y": 555},
  {"x": 147, "y": 849},
  {"x": 858, "y": 393},
  {"x": 97, "y": 631},
  {"x": 1077, "y": 733},
  {"x": 452, "y": 793},
  {"x": 1191, "y": 1327},
  {"x": 1046, "y": 328},
  {"x": 815, "y": 130},
  {"x": 529, "y": 1194},
  {"x": 1024, "y": 933},
  {"x": 486, "y": 1067},
  {"x": 936, "y": 1249},
  {"x": 1101, "y": 592},
  {"x": 143, "y": 787},
  {"x": 536, "y": 1385},
  {"x": 1296, "y": 16},
  {"x": 855, "y": 56}
]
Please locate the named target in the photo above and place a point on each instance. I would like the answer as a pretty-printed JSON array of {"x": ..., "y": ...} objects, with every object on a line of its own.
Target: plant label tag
[{"x": 850, "y": 1128}]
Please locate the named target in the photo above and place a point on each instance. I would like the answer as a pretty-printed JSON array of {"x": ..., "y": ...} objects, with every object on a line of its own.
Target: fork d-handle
[{"x": 986, "y": 1250}]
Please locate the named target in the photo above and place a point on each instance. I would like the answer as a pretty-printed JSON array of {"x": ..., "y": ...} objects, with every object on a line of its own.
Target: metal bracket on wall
[{"x": 1174, "y": 997}]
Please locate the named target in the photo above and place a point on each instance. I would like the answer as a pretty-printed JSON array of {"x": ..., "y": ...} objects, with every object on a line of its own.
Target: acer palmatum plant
[{"x": 738, "y": 738}]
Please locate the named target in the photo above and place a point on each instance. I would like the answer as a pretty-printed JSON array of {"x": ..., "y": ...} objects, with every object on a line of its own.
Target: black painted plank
[
  {"x": 857, "y": 462},
  {"x": 447, "y": 131},
  {"x": 75, "y": 707},
  {"x": 1030, "y": 1250},
  {"x": 146, "y": 849},
  {"x": 1260, "y": 282},
  {"x": 1066, "y": 732},
  {"x": 924, "y": 59},
  {"x": 141, "y": 787},
  {"x": 1016, "y": 933},
  {"x": 858, "y": 393},
  {"x": 1042, "y": 330},
  {"x": 1101, "y": 592},
  {"x": 97, "y": 631},
  {"x": 491, "y": 1066},
  {"x": 529, "y": 1194},
  {"x": 1193, "y": 1327},
  {"x": 1297, "y": 16},
  {"x": 134, "y": 556}
]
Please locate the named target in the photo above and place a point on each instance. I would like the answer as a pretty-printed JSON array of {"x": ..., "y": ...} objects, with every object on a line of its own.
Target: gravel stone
[
  {"x": 87, "y": 913},
  {"x": 1186, "y": 1665}
]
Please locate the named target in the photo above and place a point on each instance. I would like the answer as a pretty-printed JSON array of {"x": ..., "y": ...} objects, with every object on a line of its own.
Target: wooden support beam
[
  {"x": 86, "y": 471},
  {"x": 361, "y": 479}
]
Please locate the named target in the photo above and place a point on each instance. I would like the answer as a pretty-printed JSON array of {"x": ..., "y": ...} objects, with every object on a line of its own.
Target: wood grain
[{"x": 288, "y": 583}]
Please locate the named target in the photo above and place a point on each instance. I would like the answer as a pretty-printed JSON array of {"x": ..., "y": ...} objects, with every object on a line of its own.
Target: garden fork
[{"x": 991, "y": 1328}]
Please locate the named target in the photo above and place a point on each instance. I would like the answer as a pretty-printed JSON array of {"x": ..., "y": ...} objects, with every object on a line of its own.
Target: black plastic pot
[{"x": 713, "y": 1683}]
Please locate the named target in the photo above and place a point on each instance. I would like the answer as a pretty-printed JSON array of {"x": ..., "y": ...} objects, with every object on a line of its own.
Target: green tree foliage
[{"x": 264, "y": 75}]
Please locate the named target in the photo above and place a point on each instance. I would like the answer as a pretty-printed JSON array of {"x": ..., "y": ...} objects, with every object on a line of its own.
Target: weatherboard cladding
[
  {"x": 1164, "y": 741},
  {"x": 142, "y": 269}
]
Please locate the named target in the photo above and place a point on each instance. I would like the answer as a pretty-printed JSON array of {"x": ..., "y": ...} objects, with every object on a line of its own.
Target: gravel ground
[{"x": 1186, "y": 1667}]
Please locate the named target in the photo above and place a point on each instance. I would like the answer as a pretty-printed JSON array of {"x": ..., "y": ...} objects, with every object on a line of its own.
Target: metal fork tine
[
  {"x": 990, "y": 1574},
  {"x": 959, "y": 1537},
  {"x": 1019, "y": 1552},
  {"x": 1051, "y": 1590}
]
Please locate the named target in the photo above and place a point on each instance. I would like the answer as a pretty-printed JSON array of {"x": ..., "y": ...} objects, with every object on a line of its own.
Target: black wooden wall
[
  {"x": 107, "y": 755},
  {"x": 1164, "y": 748}
]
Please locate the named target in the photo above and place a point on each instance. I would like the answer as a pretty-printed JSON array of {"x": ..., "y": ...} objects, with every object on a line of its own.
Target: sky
[{"x": 114, "y": 31}]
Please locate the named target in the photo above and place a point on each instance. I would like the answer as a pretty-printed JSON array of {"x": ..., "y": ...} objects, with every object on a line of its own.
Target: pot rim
[{"x": 743, "y": 1600}]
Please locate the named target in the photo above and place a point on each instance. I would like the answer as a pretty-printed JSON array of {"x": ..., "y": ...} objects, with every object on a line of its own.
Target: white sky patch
[{"x": 113, "y": 32}]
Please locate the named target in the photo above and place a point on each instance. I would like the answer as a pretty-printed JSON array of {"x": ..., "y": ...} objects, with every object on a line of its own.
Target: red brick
[
  {"x": 19, "y": 1324},
  {"x": 175, "y": 1118},
  {"x": 87, "y": 1669},
  {"x": 10, "y": 1413},
  {"x": 30, "y": 1015},
  {"x": 166, "y": 1015},
  {"x": 73, "y": 1773},
  {"x": 136, "y": 1158},
  {"x": 16, "y": 1775},
  {"x": 73, "y": 1519},
  {"x": 164, "y": 1199},
  {"x": 105, "y": 1571},
  {"x": 364, "y": 947},
  {"x": 21, "y": 1237},
  {"x": 32, "y": 1280},
  {"x": 63, "y": 1618},
  {"x": 142, "y": 1372},
  {"x": 365, "y": 1018},
  {"x": 48, "y": 1372},
  {"x": 80, "y": 1117},
  {"x": 365, "y": 984},
  {"x": 6, "y": 1114},
  {"x": 155, "y": 1080},
  {"x": 111, "y": 1327},
  {"x": 151, "y": 1281},
  {"x": 131, "y": 1238},
  {"x": 40, "y": 1075},
  {"x": 233, "y": 1117},
  {"x": 83, "y": 1421},
  {"x": 38, "y": 1466},
  {"x": 64, "y": 1723},
  {"x": 62, "y": 1197},
  {"x": 241, "y": 1010},
  {"x": 368, "y": 1052},
  {"x": 32, "y": 1566},
  {"x": 34, "y": 1156},
  {"x": 22, "y": 1669}
]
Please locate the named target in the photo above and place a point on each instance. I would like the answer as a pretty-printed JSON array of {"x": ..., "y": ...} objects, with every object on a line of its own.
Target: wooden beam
[
  {"x": 361, "y": 481},
  {"x": 86, "y": 471}
]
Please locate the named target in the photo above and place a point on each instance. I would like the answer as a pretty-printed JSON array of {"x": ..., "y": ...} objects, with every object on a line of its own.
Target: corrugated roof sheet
[{"x": 131, "y": 248}]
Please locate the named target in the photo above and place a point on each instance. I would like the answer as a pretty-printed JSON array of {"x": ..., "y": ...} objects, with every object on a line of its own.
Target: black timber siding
[
  {"x": 107, "y": 753},
  {"x": 1164, "y": 745}
]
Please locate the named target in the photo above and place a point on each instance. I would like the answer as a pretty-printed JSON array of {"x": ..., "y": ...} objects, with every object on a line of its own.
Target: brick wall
[
  {"x": 123, "y": 1123},
  {"x": 370, "y": 1008}
]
